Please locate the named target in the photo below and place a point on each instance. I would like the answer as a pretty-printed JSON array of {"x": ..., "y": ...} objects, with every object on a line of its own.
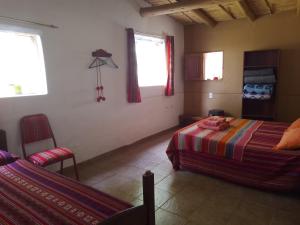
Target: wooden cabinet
[
  {"x": 261, "y": 59},
  {"x": 193, "y": 66},
  {"x": 257, "y": 108}
]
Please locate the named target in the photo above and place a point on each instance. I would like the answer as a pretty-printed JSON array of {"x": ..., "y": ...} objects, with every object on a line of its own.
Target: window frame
[
  {"x": 34, "y": 32},
  {"x": 162, "y": 38},
  {"x": 203, "y": 64}
]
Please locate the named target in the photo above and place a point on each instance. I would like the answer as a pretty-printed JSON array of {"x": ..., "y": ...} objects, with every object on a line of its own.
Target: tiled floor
[{"x": 184, "y": 198}]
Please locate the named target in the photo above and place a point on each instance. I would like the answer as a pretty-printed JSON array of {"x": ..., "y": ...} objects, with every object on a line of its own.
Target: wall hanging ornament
[{"x": 101, "y": 58}]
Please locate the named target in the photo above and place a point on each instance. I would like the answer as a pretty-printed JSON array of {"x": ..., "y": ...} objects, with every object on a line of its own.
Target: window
[
  {"x": 22, "y": 68},
  {"x": 151, "y": 60},
  {"x": 213, "y": 65}
]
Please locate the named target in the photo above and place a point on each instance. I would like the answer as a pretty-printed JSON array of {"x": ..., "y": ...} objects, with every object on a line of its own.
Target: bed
[
  {"x": 242, "y": 154},
  {"x": 32, "y": 195}
]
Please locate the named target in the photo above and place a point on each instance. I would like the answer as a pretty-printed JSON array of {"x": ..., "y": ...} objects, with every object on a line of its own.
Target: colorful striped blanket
[
  {"x": 31, "y": 195},
  {"x": 261, "y": 167},
  {"x": 229, "y": 143}
]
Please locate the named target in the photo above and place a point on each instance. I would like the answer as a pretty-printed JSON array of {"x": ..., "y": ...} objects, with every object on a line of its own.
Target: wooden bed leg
[
  {"x": 148, "y": 190},
  {"x": 138, "y": 215},
  {"x": 75, "y": 168},
  {"x": 3, "y": 143},
  {"x": 61, "y": 167}
]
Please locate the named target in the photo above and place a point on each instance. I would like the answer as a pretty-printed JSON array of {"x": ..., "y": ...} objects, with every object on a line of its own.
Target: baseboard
[{"x": 114, "y": 151}]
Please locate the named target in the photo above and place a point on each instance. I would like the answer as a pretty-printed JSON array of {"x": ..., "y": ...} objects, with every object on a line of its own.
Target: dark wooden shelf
[
  {"x": 258, "y": 67},
  {"x": 261, "y": 109},
  {"x": 259, "y": 100}
]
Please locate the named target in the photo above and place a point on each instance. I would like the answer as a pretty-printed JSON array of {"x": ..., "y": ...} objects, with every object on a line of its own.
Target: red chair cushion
[{"x": 51, "y": 156}]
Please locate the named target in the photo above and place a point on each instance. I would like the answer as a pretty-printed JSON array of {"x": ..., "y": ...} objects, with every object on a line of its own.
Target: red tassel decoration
[{"x": 99, "y": 88}]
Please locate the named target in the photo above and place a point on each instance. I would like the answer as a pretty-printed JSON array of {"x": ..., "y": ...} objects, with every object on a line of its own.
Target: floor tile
[
  {"x": 166, "y": 218},
  {"x": 215, "y": 210},
  {"x": 173, "y": 183},
  {"x": 187, "y": 201},
  {"x": 161, "y": 197},
  {"x": 121, "y": 187},
  {"x": 251, "y": 213},
  {"x": 285, "y": 218},
  {"x": 185, "y": 198},
  {"x": 287, "y": 202}
]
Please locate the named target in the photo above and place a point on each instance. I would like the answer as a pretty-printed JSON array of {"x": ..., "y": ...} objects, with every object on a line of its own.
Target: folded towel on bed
[
  {"x": 214, "y": 123},
  {"x": 221, "y": 127},
  {"x": 216, "y": 118}
]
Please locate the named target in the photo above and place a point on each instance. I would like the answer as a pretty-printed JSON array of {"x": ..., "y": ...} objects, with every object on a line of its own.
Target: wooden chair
[{"x": 36, "y": 128}]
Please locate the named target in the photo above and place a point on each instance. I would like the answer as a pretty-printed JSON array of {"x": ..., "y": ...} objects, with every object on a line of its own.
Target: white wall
[{"x": 91, "y": 129}]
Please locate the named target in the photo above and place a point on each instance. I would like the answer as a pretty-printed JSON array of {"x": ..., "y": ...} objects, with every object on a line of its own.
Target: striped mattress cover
[
  {"x": 31, "y": 195},
  {"x": 260, "y": 166}
]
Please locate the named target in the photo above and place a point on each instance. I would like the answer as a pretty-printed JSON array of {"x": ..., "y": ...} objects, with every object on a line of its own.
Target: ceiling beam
[
  {"x": 200, "y": 16},
  {"x": 226, "y": 11},
  {"x": 244, "y": 7},
  {"x": 269, "y": 6},
  {"x": 182, "y": 6},
  {"x": 206, "y": 19}
]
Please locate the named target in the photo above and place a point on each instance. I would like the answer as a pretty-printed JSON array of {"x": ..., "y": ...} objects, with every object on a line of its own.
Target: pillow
[
  {"x": 295, "y": 124},
  {"x": 6, "y": 157},
  {"x": 290, "y": 140}
]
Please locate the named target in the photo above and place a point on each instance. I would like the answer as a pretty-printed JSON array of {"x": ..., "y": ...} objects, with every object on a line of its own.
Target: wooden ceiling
[{"x": 210, "y": 12}]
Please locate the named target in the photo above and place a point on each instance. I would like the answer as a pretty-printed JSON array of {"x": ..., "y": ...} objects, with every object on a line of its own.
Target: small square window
[
  {"x": 213, "y": 65},
  {"x": 22, "y": 67},
  {"x": 151, "y": 60}
]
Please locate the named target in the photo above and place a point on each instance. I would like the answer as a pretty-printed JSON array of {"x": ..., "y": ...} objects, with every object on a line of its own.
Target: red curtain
[
  {"x": 133, "y": 89},
  {"x": 169, "y": 89}
]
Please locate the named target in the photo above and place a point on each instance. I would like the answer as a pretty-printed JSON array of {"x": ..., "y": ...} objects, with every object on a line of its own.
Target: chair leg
[
  {"x": 75, "y": 168},
  {"x": 61, "y": 167}
]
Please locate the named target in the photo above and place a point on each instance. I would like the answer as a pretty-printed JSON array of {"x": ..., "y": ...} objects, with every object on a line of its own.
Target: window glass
[
  {"x": 22, "y": 67},
  {"x": 213, "y": 65},
  {"x": 151, "y": 60}
]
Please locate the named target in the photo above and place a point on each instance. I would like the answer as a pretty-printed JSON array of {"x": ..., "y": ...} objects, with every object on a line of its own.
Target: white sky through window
[
  {"x": 213, "y": 65},
  {"x": 151, "y": 60},
  {"x": 22, "y": 67}
]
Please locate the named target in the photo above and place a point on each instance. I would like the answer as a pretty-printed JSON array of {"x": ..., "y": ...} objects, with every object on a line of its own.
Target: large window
[
  {"x": 22, "y": 67},
  {"x": 213, "y": 65},
  {"x": 151, "y": 60}
]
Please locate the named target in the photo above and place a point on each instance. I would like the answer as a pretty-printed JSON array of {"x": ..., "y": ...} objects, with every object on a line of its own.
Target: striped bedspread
[
  {"x": 229, "y": 143},
  {"x": 30, "y": 195},
  {"x": 261, "y": 167}
]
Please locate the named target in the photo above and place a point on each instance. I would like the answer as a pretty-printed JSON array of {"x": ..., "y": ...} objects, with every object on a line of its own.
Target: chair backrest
[{"x": 35, "y": 128}]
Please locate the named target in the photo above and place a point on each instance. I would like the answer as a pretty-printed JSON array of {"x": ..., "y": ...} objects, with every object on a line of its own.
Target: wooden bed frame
[
  {"x": 139, "y": 215},
  {"x": 3, "y": 142}
]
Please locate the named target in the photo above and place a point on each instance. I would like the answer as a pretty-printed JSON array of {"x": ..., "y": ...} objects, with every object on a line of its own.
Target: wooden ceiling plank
[
  {"x": 298, "y": 7},
  {"x": 269, "y": 6},
  {"x": 187, "y": 16},
  {"x": 227, "y": 12},
  {"x": 205, "y": 18},
  {"x": 181, "y": 6},
  {"x": 244, "y": 7}
]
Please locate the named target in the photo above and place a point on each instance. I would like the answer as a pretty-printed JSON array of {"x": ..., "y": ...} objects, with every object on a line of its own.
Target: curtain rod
[
  {"x": 150, "y": 35},
  {"x": 31, "y": 22}
]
